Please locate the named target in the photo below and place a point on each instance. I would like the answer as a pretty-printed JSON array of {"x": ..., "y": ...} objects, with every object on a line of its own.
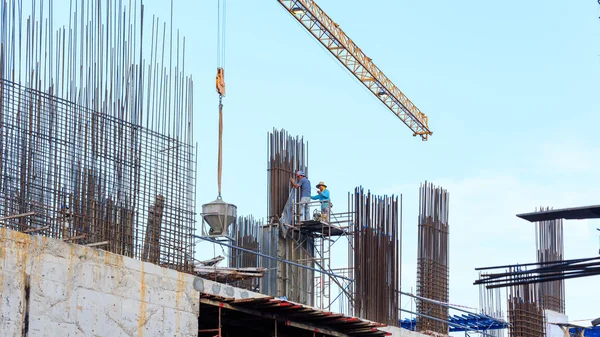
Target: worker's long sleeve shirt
[{"x": 324, "y": 197}]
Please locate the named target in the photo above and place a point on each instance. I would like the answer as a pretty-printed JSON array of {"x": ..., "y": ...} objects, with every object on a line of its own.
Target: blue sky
[{"x": 510, "y": 88}]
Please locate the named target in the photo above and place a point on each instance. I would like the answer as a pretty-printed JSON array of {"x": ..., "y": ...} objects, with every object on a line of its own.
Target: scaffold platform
[{"x": 320, "y": 228}]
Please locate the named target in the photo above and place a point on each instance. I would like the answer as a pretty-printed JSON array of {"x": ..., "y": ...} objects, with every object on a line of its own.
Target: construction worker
[
  {"x": 323, "y": 196},
  {"x": 304, "y": 185}
]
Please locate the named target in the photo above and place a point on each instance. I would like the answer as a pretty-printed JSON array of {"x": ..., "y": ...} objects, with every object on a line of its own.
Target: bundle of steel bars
[
  {"x": 490, "y": 304},
  {"x": 376, "y": 256},
  {"x": 538, "y": 272},
  {"x": 432, "y": 258},
  {"x": 525, "y": 315},
  {"x": 246, "y": 237},
  {"x": 95, "y": 141},
  {"x": 287, "y": 155},
  {"x": 550, "y": 248}
]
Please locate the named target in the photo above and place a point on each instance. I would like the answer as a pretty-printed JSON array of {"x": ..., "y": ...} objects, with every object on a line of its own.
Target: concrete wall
[
  {"x": 554, "y": 317},
  {"x": 50, "y": 288}
]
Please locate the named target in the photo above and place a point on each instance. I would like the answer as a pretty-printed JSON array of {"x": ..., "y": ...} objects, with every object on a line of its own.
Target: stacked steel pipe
[
  {"x": 376, "y": 256},
  {"x": 96, "y": 142},
  {"x": 432, "y": 259},
  {"x": 550, "y": 248}
]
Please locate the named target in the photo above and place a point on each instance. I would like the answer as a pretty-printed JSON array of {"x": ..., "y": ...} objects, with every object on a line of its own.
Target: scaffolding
[{"x": 297, "y": 253}]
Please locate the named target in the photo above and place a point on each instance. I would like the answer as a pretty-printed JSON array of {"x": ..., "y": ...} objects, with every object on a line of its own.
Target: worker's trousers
[
  {"x": 325, "y": 214},
  {"x": 304, "y": 208}
]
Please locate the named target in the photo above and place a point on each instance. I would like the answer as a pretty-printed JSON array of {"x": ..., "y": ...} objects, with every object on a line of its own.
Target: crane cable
[
  {"x": 220, "y": 156},
  {"x": 221, "y": 22}
]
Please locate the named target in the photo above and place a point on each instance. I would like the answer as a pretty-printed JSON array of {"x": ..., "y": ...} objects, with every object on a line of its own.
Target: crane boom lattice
[{"x": 324, "y": 29}]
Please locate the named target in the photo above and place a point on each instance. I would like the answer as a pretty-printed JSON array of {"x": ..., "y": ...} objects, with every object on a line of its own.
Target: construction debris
[
  {"x": 226, "y": 274},
  {"x": 211, "y": 262}
]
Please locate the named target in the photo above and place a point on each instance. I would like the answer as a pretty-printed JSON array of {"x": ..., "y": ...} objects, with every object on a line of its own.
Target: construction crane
[{"x": 324, "y": 29}]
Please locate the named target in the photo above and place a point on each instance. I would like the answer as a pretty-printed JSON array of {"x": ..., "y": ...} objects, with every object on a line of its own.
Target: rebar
[
  {"x": 286, "y": 155},
  {"x": 491, "y": 305},
  {"x": 524, "y": 312},
  {"x": 247, "y": 238},
  {"x": 95, "y": 141},
  {"x": 550, "y": 248},
  {"x": 432, "y": 259},
  {"x": 376, "y": 253}
]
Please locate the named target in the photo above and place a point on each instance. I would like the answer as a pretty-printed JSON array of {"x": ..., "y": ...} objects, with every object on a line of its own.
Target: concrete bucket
[{"x": 219, "y": 215}]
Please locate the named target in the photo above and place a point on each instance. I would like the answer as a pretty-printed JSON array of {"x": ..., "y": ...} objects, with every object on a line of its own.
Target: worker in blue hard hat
[
  {"x": 304, "y": 185},
  {"x": 324, "y": 197}
]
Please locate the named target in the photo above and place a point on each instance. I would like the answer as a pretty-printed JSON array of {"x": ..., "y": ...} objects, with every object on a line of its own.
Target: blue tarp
[
  {"x": 474, "y": 322},
  {"x": 589, "y": 332}
]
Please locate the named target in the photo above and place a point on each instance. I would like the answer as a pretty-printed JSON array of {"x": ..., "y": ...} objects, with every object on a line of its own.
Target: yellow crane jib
[{"x": 324, "y": 29}]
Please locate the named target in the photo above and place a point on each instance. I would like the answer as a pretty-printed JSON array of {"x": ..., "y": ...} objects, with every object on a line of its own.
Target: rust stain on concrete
[
  {"x": 178, "y": 297},
  {"x": 143, "y": 304},
  {"x": 106, "y": 258},
  {"x": 69, "y": 285},
  {"x": 3, "y": 245}
]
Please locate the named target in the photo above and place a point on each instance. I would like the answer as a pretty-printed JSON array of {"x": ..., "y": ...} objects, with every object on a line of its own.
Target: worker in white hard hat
[
  {"x": 304, "y": 185},
  {"x": 324, "y": 197}
]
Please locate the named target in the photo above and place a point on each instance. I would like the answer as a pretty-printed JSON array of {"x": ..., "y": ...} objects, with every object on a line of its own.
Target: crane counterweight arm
[{"x": 322, "y": 27}]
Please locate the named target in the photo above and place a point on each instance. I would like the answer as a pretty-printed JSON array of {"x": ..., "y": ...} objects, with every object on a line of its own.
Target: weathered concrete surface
[{"x": 50, "y": 288}]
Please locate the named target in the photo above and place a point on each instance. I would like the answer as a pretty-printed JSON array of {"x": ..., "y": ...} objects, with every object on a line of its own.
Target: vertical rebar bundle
[
  {"x": 287, "y": 155},
  {"x": 550, "y": 247},
  {"x": 247, "y": 237},
  {"x": 376, "y": 256},
  {"x": 95, "y": 141},
  {"x": 432, "y": 258},
  {"x": 490, "y": 303},
  {"x": 525, "y": 315}
]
